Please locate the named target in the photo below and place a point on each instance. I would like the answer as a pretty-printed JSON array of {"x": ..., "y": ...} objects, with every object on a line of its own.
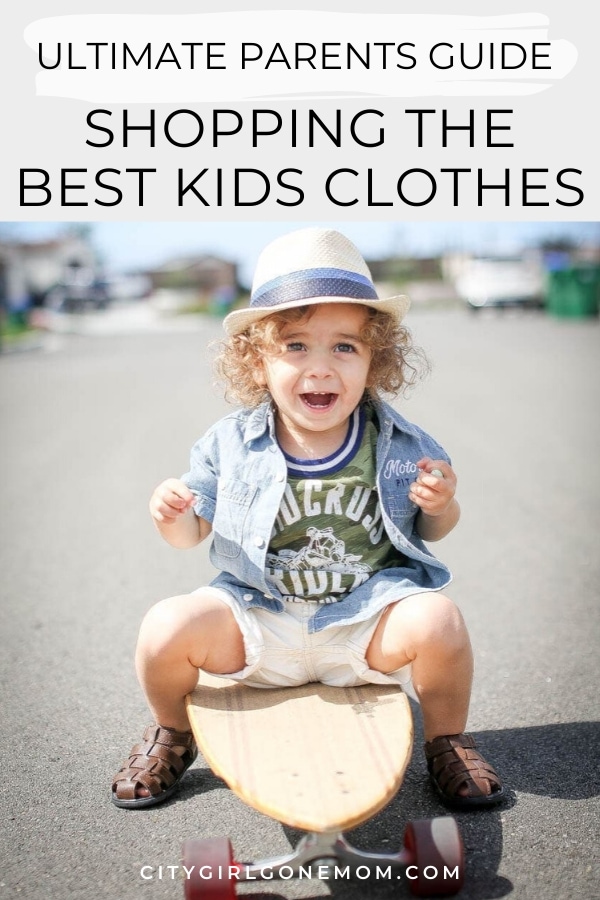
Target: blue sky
[{"x": 129, "y": 246}]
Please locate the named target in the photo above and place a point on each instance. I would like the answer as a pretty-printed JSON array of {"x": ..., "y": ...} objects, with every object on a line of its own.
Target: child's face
[{"x": 320, "y": 376}]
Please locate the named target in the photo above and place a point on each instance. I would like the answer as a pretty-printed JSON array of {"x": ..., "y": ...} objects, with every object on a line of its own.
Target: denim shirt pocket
[
  {"x": 401, "y": 510},
  {"x": 234, "y": 498}
]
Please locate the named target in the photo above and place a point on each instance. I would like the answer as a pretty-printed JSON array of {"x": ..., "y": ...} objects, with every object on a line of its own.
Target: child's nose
[{"x": 319, "y": 364}]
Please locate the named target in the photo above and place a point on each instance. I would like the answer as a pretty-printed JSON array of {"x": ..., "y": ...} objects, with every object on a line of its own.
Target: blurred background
[{"x": 73, "y": 277}]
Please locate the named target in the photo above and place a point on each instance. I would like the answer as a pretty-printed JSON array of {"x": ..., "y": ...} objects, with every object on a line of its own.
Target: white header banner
[{"x": 295, "y": 54}]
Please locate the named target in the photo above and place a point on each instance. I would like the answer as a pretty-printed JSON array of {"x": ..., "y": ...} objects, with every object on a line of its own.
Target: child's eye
[
  {"x": 346, "y": 348},
  {"x": 295, "y": 346}
]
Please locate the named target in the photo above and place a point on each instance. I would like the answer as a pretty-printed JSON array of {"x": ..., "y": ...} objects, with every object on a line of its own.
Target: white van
[{"x": 501, "y": 281}]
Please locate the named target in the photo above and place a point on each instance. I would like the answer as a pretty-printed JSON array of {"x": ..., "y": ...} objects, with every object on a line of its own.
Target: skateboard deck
[{"x": 313, "y": 757}]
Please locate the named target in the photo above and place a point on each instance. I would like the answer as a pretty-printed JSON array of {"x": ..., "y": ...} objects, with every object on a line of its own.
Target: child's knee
[
  {"x": 442, "y": 624},
  {"x": 163, "y": 623},
  {"x": 431, "y": 620},
  {"x": 198, "y": 626}
]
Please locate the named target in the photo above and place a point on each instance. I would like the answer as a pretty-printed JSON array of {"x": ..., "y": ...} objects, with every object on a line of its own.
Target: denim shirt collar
[
  {"x": 259, "y": 421},
  {"x": 262, "y": 419}
]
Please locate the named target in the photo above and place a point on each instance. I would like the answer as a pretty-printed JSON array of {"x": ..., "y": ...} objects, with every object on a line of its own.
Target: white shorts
[{"x": 280, "y": 651}]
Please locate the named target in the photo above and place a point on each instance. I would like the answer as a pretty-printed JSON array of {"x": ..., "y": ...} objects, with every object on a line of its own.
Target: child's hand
[
  {"x": 171, "y": 499},
  {"x": 434, "y": 489}
]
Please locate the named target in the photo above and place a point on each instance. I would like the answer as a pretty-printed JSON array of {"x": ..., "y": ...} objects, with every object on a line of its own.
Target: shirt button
[
  {"x": 280, "y": 477},
  {"x": 259, "y": 541},
  {"x": 248, "y": 597}
]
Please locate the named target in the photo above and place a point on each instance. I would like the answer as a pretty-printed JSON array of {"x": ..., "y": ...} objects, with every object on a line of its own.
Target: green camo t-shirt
[{"x": 329, "y": 536}]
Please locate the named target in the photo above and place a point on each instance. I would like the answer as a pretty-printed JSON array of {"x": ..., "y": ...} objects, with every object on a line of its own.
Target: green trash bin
[{"x": 574, "y": 292}]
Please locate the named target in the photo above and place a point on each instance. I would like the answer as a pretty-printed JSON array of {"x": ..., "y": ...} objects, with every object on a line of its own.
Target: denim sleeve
[
  {"x": 440, "y": 453},
  {"x": 202, "y": 479},
  {"x": 432, "y": 448}
]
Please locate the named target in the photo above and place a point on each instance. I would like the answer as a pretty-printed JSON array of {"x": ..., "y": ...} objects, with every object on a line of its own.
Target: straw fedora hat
[{"x": 312, "y": 265}]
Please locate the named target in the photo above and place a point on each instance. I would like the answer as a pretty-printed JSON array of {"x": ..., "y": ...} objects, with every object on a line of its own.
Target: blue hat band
[{"x": 309, "y": 283}]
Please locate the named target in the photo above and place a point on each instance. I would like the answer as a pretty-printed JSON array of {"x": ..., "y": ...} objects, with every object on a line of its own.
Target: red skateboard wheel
[
  {"x": 210, "y": 869},
  {"x": 437, "y": 857}
]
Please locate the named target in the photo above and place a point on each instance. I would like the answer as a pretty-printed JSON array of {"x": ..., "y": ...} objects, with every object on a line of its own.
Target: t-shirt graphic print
[{"x": 329, "y": 536}]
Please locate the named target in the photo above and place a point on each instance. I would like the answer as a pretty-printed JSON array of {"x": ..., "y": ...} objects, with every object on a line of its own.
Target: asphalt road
[{"x": 92, "y": 422}]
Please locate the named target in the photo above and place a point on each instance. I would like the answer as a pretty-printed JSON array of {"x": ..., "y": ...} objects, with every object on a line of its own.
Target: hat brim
[{"x": 240, "y": 319}]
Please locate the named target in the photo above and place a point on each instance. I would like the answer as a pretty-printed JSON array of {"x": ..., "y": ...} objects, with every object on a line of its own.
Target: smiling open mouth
[{"x": 319, "y": 399}]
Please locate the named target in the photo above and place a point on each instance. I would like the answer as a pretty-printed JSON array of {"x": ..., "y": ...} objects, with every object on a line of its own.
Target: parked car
[
  {"x": 81, "y": 289},
  {"x": 501, "y": 281}
]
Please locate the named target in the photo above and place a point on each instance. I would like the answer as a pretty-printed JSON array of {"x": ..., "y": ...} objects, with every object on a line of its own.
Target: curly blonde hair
[{"x": 396, "y": 364}]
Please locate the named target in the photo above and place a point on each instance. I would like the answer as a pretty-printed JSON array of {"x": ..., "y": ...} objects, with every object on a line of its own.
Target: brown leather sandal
[
  {"x": 157, "y": 764},
  {"x": 454, "y": 762}
]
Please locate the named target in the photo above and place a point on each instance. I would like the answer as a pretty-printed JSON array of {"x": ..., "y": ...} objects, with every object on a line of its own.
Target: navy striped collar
[{"x": 314, "y": 468}]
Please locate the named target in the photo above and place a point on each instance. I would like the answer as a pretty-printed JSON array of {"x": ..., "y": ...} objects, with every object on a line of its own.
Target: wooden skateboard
[{"x": 320, "y": 759}]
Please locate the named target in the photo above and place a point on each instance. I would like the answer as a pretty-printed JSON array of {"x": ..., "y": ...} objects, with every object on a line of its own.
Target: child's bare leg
[
  {"x": 428, "y": 631},
  {"x": 178, "y": 636}
]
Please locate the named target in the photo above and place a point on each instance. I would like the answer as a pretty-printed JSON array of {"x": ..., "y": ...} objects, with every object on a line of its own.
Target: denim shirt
[{"x": 239, "y": 474}]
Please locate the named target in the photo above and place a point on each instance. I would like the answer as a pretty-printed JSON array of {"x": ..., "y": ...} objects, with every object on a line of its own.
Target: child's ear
[
  {"x": 369, "y": 383},
  {"x": 259, "y": 374}
]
